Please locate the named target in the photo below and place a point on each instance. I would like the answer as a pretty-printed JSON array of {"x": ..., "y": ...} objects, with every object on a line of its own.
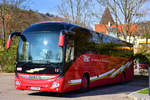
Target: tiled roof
[
  {"x": 107, "y": 17},
  {"x": 120, "y": 28}
]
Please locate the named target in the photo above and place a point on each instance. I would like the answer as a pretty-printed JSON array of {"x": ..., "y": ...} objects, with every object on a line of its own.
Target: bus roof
[{"x": 70, "y": 26}]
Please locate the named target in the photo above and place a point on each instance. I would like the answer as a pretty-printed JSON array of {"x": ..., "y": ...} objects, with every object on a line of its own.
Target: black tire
[
  {"x": 123, "y": 77},
  {"x": 84, "y": 83},
  {"x": 60, "y": 94}
]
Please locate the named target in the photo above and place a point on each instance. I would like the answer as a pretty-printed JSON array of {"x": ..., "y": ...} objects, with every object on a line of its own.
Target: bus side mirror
[
  {"x": 61, "y": 40},
  {"x": 10, "y": 38},
  {"x": 8, "y": 43}
]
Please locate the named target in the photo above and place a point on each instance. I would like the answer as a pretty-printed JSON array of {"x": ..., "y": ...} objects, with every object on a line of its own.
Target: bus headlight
[
  {"x": 17, "y": 83},
  {"x": 55, "y": 85}
]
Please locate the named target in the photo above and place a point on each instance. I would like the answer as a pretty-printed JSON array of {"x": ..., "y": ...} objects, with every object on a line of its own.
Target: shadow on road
[{"x": 127, "y": 87}]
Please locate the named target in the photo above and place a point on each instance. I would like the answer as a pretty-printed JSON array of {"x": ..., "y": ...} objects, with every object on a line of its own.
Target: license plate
[{"x": 35, "y": 88}]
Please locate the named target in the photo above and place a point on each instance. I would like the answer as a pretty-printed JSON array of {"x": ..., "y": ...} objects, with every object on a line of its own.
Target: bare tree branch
[
  {"x": 76, "y": 11},
  {"x": 124, "y": 9}
]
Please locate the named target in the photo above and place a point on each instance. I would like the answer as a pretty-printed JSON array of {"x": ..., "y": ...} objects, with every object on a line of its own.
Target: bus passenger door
[{"x": 69, "y": 67}]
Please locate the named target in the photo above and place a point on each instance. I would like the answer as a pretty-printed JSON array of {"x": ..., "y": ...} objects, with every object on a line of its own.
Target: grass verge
[{"x": 144, "y": 91}]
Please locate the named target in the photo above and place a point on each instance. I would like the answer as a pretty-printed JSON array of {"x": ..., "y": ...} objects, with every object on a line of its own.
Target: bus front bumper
[{"x": 49, "y": 85}]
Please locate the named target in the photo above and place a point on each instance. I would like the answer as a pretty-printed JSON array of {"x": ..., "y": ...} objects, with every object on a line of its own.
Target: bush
[
  {"x": 9, "y": 68},
  {"x": 8, "y": 57},
  {"x": 142, "y": 58},
  {"x": 143, "y": 55}
]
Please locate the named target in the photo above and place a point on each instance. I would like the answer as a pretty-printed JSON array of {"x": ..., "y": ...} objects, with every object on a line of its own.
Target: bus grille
[{"x": 34, "y": 77}]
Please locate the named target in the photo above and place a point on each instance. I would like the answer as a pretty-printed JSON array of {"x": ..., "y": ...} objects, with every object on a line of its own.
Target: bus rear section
[
  {"x": 98, "y": 70},
  {"x": 94, "y": 59},
  {"x": 62, "y": 57}
]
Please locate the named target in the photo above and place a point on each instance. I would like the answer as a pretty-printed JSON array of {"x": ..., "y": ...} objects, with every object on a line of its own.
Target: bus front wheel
[{"x": 84, "y": 83}]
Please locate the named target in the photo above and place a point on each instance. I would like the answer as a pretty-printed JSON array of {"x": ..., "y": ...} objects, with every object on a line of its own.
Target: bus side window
[{"x": 70, "y": 51}]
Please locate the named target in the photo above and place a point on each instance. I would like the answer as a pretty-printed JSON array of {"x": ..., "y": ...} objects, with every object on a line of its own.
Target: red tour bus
[{"x": 62, "y": 57}]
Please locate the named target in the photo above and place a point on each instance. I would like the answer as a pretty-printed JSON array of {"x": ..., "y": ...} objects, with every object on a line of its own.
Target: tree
[
  {"x": 7, "y": 7},
  {"x": 76, "y": 11},
  {"x": 8, "y": 12},
  {"x": 125, "y": 12},
  {"x": 145, "y": 29},
  {"x": 12, "y": 19},
  {"x": 3, "y": 13}
]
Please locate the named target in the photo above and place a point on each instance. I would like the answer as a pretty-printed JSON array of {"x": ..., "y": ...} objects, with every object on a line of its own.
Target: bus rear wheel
[
  {"x": 123, "y": 77},
  {"x": 84, "y": 84}
]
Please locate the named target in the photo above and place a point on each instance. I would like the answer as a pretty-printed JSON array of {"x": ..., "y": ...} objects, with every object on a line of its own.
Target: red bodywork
[
  {"x": 61, "y": 40},
  {"x": 45, "y": 85},
  {"x": 102, "y": 70},
  {"x": 8, "y": 43}
]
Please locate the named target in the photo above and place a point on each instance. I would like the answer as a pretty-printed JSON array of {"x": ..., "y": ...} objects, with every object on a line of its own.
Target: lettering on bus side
[
  {"x": 86, "y": 58},
  {"x": 100, "y": 60}
]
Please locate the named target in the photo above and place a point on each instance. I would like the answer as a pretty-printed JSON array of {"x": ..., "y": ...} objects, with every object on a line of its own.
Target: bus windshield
[{"x": 40, "y": 47}]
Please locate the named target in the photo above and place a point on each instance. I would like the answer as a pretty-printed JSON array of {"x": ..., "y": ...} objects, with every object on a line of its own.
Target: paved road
[{"x": 111, "y": 92}]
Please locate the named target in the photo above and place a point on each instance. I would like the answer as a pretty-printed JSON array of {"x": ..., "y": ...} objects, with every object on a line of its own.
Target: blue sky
[
  {"x": 44, "y": 6},
  {"x": 49, "y": 6}
]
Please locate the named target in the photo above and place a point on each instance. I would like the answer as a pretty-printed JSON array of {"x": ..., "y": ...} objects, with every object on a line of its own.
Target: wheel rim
[
  {"x": 123, "y": 77},
  {"x": 84, "y": 83}
]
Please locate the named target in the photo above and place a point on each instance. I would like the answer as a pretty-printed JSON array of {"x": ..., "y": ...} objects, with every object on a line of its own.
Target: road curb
[
  {"x": 138, "y": 96},
  {"x": 3, "y": 73}
]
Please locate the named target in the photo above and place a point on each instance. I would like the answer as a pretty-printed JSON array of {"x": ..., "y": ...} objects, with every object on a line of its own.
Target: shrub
[
  {"x": 9, "y": 68},
  {"x": 8, "y": 57}
]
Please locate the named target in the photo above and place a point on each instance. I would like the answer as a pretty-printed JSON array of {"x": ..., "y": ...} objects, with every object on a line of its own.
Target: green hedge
[
  {"x": 144, "y": 91},
  {"x": 8, "y": 57}
]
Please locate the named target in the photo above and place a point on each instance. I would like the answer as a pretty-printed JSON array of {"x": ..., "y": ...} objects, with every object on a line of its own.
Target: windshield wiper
[
  {"x": 40, "y": 61},
  {"x": 25, "y": 63}
]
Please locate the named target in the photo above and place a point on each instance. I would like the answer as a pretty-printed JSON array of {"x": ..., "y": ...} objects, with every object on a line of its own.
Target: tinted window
[
  {"x": 45, "y": 27},
  {"x": 40, "y": 47}
]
